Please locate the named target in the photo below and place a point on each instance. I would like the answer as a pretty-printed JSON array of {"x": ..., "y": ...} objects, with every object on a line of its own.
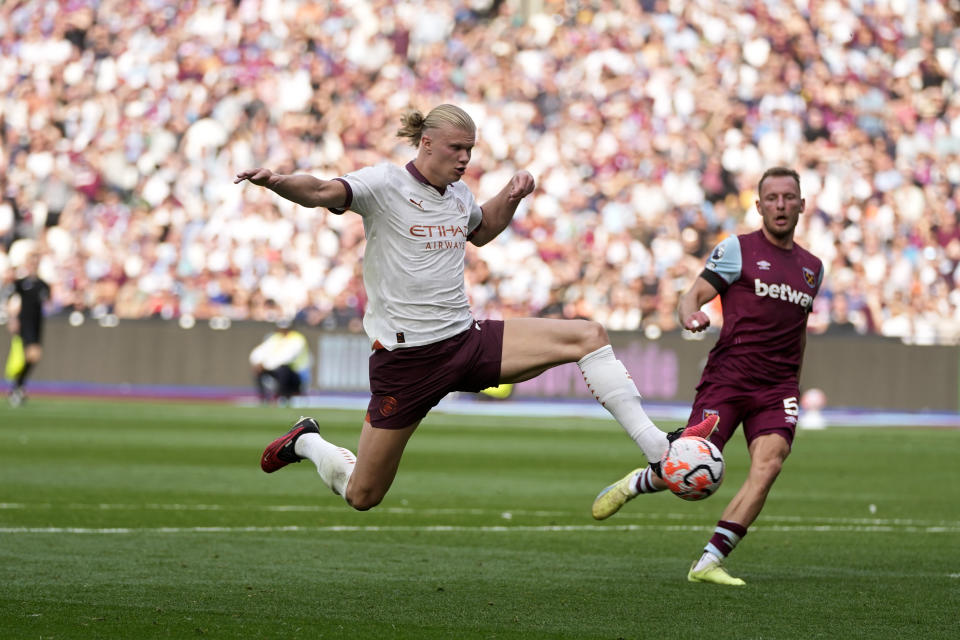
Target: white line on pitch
[
  {"x": 475, "y": 529},
  {"x": 274, "y": 508},
  {"x": 806, "y": 521}
]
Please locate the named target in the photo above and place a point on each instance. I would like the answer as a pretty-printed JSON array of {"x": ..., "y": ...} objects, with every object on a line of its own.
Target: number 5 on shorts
[{"x": 790, "y": 406}]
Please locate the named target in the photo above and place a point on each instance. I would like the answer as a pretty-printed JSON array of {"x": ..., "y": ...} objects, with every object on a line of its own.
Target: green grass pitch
[{"x": 153, "y": 520}]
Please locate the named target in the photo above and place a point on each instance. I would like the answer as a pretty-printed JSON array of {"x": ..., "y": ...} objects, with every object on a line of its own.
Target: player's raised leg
[
  {"x": 334, "y": 464},
  {"x": 533, "y": 345},
  {"x": 614, "y": 496},
  {"x": 362, "y": 481},
  {"x": 378, "y": 459},
  {"x": 645, "y": 480}
]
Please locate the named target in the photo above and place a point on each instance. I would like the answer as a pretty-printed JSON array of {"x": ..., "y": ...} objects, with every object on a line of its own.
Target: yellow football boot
[
  {"x": 609, "y": 501},
  {"x": 714, "y": 573}
]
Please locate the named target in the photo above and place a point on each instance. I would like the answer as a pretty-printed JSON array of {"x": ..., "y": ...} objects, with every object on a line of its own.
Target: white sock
[
  {"x": 612, "y": 386},
  {"x": 334, "y": 464},
  {"x": 706, "y": 560}
]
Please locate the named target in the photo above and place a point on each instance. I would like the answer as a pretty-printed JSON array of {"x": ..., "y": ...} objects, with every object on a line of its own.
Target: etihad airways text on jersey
[{"x": 437, "y": 231}]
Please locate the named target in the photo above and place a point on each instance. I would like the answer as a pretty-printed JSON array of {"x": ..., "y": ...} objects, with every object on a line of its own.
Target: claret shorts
[
  {"x": 406, "y": 383},
  {"x": 773, "y": 409}
]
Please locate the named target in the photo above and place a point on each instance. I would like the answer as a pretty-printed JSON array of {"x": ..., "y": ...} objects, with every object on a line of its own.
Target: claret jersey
[
  {"x": 766, "y": 294},
  {"x": 413, "y": 264}
]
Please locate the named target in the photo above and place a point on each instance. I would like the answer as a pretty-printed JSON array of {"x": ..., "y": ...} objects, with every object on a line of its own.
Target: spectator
[
  {"x": 121, "y": 124},
  {"x": 281, "y": 364}
]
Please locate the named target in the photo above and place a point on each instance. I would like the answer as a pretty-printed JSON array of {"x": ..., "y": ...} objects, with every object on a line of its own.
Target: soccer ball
[{"x": 692, "y": 468}]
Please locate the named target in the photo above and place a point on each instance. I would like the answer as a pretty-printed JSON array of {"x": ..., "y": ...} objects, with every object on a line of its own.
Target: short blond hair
[
  {"x": 414, "y": 123},
  {"x": 778, "y": 172}
]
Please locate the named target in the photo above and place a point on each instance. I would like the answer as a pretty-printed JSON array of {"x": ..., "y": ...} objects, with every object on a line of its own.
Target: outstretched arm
[
  {"x": 688, "y": 309},
  {"x": 498, "y": 211},
  {"x": 305, "y": 190}
]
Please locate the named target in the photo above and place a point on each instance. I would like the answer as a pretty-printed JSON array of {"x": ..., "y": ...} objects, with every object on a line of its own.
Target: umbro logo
[
  {"x": 419, "y": 204},
  {"x": 763, "y": 265}
]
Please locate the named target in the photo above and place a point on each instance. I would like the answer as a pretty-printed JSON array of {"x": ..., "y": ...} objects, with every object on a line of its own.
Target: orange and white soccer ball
[{"x": 692, "y": 468}]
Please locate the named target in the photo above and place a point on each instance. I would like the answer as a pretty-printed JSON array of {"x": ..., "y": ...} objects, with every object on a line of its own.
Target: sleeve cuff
[
  {"x": 715, "y": 280},
  {"x": 349, "y": 201}
]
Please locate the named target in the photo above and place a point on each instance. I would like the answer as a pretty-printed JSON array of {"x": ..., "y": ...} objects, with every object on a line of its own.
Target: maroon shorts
[
  {"x": 406, "y": 383},
  {"x": 772, "y": 409}
]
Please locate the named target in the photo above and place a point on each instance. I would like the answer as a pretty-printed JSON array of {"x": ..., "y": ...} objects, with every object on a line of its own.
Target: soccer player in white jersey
[{"x": 425, "y": 340}]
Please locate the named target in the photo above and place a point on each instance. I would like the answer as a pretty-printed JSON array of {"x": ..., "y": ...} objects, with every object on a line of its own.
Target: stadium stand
[{"x": 646, "y": 123}]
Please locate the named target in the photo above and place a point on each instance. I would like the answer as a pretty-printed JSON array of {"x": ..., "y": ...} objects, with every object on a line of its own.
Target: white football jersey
[{"x": 413, "y": 264}]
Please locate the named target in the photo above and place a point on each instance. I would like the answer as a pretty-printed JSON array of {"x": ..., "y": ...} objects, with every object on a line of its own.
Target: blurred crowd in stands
[{"x": 647, "y": 125}]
